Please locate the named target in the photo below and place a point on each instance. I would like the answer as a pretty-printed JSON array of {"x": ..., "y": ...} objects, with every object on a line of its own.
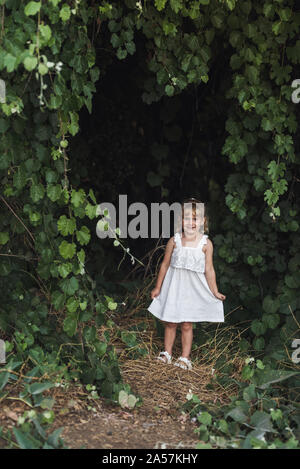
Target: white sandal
[
  {"x": 167, "y": 355},
  {"x": 186, "y": 365}
]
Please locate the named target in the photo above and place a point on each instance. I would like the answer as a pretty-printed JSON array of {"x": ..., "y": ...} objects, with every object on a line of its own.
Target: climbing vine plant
[{"x": 48, "y": 63}]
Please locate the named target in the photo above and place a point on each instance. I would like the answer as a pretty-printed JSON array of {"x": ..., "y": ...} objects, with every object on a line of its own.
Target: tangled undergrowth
[{"x": 236, "y": 399}]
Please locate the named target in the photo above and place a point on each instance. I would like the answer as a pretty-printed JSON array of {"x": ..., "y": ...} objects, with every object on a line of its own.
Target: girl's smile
[{"x": 191, "y": 224}]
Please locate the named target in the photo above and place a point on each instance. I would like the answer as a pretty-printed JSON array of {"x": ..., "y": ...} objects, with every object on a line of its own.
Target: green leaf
[
  {"x": 66, "y": 225},
  {"x": 4, "y": 237},
  {"x": 274, "y": 376},
  {"x": 30, "y": 63},
  {"x": 260, "y": 365},
  {"x": 53, "y": 439},
  {"x": 57, "y": 299},
  {"x": 32, "y": 8},
  {"x": 81, "y": 256},
  {"x": 160, "y": 4},
  {"x": 176, "y": 5},
  {"x": 45, "y": 31},
  {"x": 10, "y": 62},
  {"x": 37, "y": 192},
  {"x": 130, "y": 47},
  {"x": 129, "y": 338},
  {"x": 237, "y": 414},
  {"x": 259, "y": 343},
  {"x": 276, "y": 27},
  {"x": 169, "y": 89},
  {"x": 258, "y": 327},
  {"x": 293, "y": 281},
  {"x": 90, "y": 334},
  {"x": 25, "y": 440},
  {"x": 54, "y": 192},
  {"x": 91, "y": 211},
  {"x": 112, "y": 305},
  {"x": 271, "y": 305},
  {"x": 77, "y": 197},
  {"x": 262, "y": 421},
  {"x": 252, "y": 73},
  {"x": 65, "y": 12},
  {"x": 37, "y": 388},
  {"x": 121, "y": 53},
  {"x": 4, "y": 125},
  {"x": 83, "y": 236},
  {"x": 70, "y": 325},
  {"x": 205, "y": 418},
  {"x": 72, "y": 304},
  {"x": 131, "y": 401},
  {"x": 67, "y": 250},
  {"x": 249, "y": 393},
  {"x": 217, "y": 19},
  {"x": 73, "y": 126},
  {"x": 19, "y": 179},
  {"x": 247, "y": 372},
  {"x": 65, "y": 269},
  {"x": 100, "y": 348},
  {"x": 4, "y": 377},
  {"x": 271, "y": 320},
  {"x": 69, "y": 285},
  {"x": 92, "y": 196},
  {"x": 43, "y": 69}
]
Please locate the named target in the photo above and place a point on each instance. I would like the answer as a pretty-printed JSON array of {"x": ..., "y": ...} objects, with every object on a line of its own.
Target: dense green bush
[{"x": 49, "y": 63}]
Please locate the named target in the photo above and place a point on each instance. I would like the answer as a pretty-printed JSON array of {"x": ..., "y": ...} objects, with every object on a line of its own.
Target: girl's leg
[
  {"x": 186, "y": 338},
  {"x": 170, "y": 334}
]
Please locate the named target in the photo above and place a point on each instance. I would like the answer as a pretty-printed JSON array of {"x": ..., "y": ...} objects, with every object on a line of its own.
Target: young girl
[{"x": 186, "y": 289}]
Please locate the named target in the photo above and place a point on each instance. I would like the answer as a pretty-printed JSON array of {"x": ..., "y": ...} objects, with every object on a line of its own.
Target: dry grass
[{"x": 164, "y": 385}]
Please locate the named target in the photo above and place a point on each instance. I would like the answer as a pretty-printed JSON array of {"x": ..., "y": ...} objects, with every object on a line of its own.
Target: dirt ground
[
  {"x": 93, "y": 423},
  {"x": 125, "y": 430},
  {"x": 158, "y": 423}
]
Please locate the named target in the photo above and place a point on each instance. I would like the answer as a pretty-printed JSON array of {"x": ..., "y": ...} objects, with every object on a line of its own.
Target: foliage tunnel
[{"x": 158, "y": 100}]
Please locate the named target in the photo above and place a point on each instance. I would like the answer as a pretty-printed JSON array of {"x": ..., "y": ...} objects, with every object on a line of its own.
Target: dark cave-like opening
[{"x": 159, "y": 152}]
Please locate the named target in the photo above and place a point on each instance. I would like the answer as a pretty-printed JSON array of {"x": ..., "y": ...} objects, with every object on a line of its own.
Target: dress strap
[
  {"x": 203, "y": 240},
  {"x": 177, "y": 239}
]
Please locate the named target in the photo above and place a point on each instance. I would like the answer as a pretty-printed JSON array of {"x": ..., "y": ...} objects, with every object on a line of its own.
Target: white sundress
[{"x": 185, "y": 294}]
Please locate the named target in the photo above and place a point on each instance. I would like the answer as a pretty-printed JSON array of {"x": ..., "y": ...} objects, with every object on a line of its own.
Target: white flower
[
  {"x": 249, "y": 360},
  {"x": 212, "y": 371},
  {"x": 58, "y": 66}
]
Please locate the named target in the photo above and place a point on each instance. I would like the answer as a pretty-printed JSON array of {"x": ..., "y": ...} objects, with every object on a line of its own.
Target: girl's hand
[
  {"x": 155, "y": 292},
  {"x": 220, "y": 296}
]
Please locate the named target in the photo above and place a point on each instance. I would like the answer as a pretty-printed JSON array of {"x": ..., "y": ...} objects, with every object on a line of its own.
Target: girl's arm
[
  {"x": 210, "y": 271},
  {"x": 163, "y": 268}
]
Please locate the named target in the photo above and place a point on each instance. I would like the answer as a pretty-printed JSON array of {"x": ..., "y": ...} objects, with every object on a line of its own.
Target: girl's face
[{"x": 192, "y": 221}]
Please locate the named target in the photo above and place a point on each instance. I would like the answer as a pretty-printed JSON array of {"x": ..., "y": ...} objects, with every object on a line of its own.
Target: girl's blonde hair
[{"x": 194, "y": 207}]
